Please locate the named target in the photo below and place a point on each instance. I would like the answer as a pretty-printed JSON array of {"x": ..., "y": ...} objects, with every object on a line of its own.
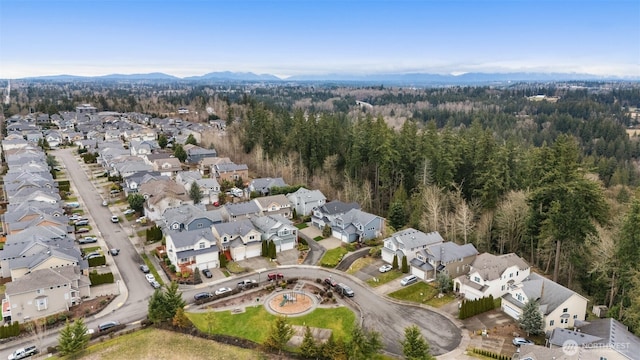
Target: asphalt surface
[{"x": 316, "y": 251}]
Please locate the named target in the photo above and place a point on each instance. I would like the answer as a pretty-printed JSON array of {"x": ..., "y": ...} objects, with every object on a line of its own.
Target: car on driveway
[
  {"x": 75, "y": 217},
  {"x": 207, "y": 273},
  {"x": 144, "y": 268},
  {"x": 82, "y": 222},
  {"x": 150, "y": 277},
  {"x": 88, "y": 240},
  {"x": 222, "y": 290},
  {"x": 408, "y": 280},
  {"x": 82, "y": 230},
  {"x": 522, "y": 341},
  {"x": 384, "y": 268},
  {"x": 92, "y": 255},
  {"x": 128, "y": 211}
]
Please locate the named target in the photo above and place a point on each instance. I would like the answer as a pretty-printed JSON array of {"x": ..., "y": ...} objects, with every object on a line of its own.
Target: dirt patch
[{"x": 90, "y": 307}]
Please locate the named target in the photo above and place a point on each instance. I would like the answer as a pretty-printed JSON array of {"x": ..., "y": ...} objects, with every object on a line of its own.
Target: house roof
[
  {"x": 193, "y": 253},
  {"x": 307, "y": 196},
  {"x": 267, "y": 223},
  {"x": 264, "y": 184},
  {"x": 411, "y": 238},
  {"x": 550, "y": 295},
  {"x": 449, "y": 251},
  {"x": 559, "y": 336},
  {"x": 190, "y": 238},
  {"x": 614, "y": 333},
  {"x": 43, "y": 278},
  {"x": 337, "y": 207},
  {"x": 265, "y": 201},
  {"x": 243, "y": 208},
  {"x": 491, "y": 267},
  {"x": 228, "y": 167},
  {"x": 236, "y": 228},
  {"x": 357, "y": 216},
  {"x": 415, "y": 262},
  {"x": 160, "y": 189}
]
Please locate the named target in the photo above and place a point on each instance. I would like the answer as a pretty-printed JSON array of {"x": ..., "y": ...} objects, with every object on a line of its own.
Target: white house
[
  {"x": 492, "y": 275},
  {"x": 196, "y": 248},
  {"x": 305, "y": 200},
  {"x": 239, "y": 239},
  {"x": 559, "y": 306},
  {"x": 407, "y": 243}
]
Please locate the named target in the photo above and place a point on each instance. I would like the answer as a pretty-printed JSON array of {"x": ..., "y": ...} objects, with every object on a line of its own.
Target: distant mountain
[
  {"x": 149, "y": 76},
  {"x": 235, "y": 76}
]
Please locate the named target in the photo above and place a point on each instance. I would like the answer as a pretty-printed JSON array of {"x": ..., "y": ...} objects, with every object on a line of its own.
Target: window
[
  {"x": 40, "y": 291},
  {"x": 565, "y": 310},
  {"x": 575, "y": 317},
  {"x": 476, "y": 279},
  {"x": 502, "y": 288},
  {"x": 200, "y": 225},
  {"x": 201, "y": 245},
  {"x": 510, "y": 275},
  {"x": 551, "y": 323}
]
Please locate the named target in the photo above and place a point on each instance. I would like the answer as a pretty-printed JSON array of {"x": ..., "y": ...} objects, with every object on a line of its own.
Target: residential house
[
  {"x": 278, "y": 229},
  {"x": 142, "y": 147},
  {"x": 196, "y": 153},
  {"x": 209, "y": 188},
  {"x": 231, "y": 172},
  {"x": 560, "y": 307},
  {"x": 190, "y": 218},
  {"x": 326, "y": 214},
  {"x": 357, "y": 226},
  {"x": 239, "y": 240},
  {"x": 240, "y": 211},
  {"x": 23, "y": 258},
  {"x": 407, "y": 243},
  {"x": 53, "y": 137},
  {"x": 275, "y": 204},
  {"x": 492, "y": 275},
  {"x": 168, "y": 166},
  {"x": 191, "y": 249},
  {"x": 132, "y": 182},
  {"x": 45, "y": 292},
  {"x": 263, "y": 186},
  {"x": 43, "y": 220},
  {"x": 161, "y": 195},
  {"x": 126, "y": 167},
  {"x": 447, "y": 258},
  {"x": 206, "y": 165}
]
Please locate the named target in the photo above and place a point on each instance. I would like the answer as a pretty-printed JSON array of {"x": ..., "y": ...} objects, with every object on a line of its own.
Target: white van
[{"x": 407, "y": 280}]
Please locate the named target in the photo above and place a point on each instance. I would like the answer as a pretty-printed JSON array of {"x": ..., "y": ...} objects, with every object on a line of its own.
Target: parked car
[
  {"x": 24, "y": 352},
  {"x": 114, "y": 219},
  {"x": 128, "y": 211},
  {"x": 522, "y": 341},
  {"x": 344, "y": 290},
  {"x": 81, "y": 222},
  {"x": 202, "y": 295},
  {"x": 142, "y": 220},
  {"x": 72, "y": 204},
  {"x": 105, "y": 203},
  {"x": 207, "y": 273},
  {"x": 247, "y": 283},
  {"x": 407, "y": 280},
  {"x": 75, "y": 217},
  {"x": 88, "y": 240},
  {"x": 384, "y": 268},
  {"x": 150, "y": 277},
  {"x": 144, "y": 268},
  {"x": 107, "y": 325},
  {"x": 155, "y": 284},
  {"x": 82, "y": 230},
  {"x": 114, "y": 252},
  {"x": 222, "y": 290},
  {"x": 92, "y": 255},
  {"x": 330, "y": 282},
  {"x": 275, "y": 276},
  {"x": 115, "y": 191}
]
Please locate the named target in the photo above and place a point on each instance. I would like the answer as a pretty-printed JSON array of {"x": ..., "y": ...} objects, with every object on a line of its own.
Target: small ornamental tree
[
  {"x": 195, "y": 193},
  {"x": 394, "y": 263},
  {"x": 326, "y": 231},
  {"x": 405, "y": 265},
  {"x": 281, "y": 332},
  {"x": 136, "y": 202}
]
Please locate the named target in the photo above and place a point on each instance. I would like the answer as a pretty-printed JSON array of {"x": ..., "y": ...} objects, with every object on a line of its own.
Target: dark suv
[{"x": 202, "y": 295}]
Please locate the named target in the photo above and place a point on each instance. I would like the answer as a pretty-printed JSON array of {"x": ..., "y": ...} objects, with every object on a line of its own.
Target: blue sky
[{"x": 284, "y": 38}]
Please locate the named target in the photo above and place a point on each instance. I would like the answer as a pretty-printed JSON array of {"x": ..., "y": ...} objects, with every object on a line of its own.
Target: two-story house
[
  {"x": 278, "y": 229},
  {"x": 407, "y": 243},
  {"x": 240, "y": 211},
  {"x": 447, "y": 258},
  {"x": 168, "y": 166},
  {"x": 45, "y": 292},
  {"x": 305, "y": 200},
  {"x": 162, "y": 194},
  {"x": 190, "y": 217},
  {"x": 492, "y": 275},
  {"x": 239, "y": 240},
  {"x": 196, "y": 153},
  {"x": 191, "y": 249},
  {"x": 275, "y": 204},
  {"x": 327, "y": 213},
  {"x": 231, "y": 172},
  {"x": 357, "y": 226},
  {"x": 560, "y": 307},
  {"x": 263, "y": 185}
]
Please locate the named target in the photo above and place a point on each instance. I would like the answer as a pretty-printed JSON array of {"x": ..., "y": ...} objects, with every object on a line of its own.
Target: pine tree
[
  {"x": 308, "y": 348},
  {"x": 405, "y": 265},
  {"x": 394, "y": 263},
  {"x": 73, "y": 338},
  {"x": 364, "y": 344},
  {"x": 280, "y": 333},
  {"x": 414, "y": 345},
  {"x": 265, "y": 248},
  {"x": 195, "y": 193},
  {"x": 531, "y": 320},
  {"x": 165, "y": 303},
  {"x": 272, "y": 250}
]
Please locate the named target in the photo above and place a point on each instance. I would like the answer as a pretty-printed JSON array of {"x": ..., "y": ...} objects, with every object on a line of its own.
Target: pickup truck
[
  {"x": 23, "y": 353},
  {"x": 249, "y": 283}
]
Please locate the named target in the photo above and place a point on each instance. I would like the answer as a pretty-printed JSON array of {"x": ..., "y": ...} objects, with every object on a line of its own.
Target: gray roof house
[
  {"x": 357, "y": 226},
  {"x": 278, "y": 229},
  {"x": 196, "y": 153},
  {"x": 191, "y": 249},
  {"x": 264, "y": 185},
  {"x": 608, "y": 333},
  {"x": 407, "y": 243},
  {"x": 239, "y": 239},
  {"x": 275, "y": 204},
  {"x": 132, "y": 182},
  {"x": 327, "y": 213},
  {"x": 447, "y": 258},
  {"x": 240, "y": 211},
  {"x": 559, "y": 306},
  {"x": 37, "y": 255},
  {"x": 45, "y": 292},
  {"x": 30, "y": 246},
  {"x": 190, "y": 217}
]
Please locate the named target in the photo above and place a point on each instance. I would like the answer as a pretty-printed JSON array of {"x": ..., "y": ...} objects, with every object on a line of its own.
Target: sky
[{"x": 295, "y": 37}]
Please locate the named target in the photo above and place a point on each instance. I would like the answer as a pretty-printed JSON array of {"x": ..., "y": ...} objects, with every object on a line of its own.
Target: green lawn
[
  {"x": 384, "y": 278},
  {"x": 234, "y": 268},
  {"x": 155, "y": 344},
  {"x": 419, "y": 292},
  {"x": 318, "y": 238},
  {"x": 359, "y": 264},
  {"x": 152, "y": 268},
  {"x": 332, "y": 257},
  {"x": 254, "y": 324},
  {"x": 92, "y": 249},
  {"x": 302, "y": 226}
]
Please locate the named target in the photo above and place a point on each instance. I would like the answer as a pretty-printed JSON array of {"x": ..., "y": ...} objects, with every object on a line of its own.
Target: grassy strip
[
  {"x": 332, "y": 257},
  {"x": 384, "y": 278},
  {"x": 255, "y": 323},
  {"x": 152, "y": 269},
  {"x": 161, "y": 344},
  {"x": 359, "y": 264},
  {"x": 302, "y": 226}
]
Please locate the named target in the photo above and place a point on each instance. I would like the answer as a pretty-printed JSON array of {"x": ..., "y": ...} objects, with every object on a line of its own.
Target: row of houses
[{"x": 47, "y": 271}]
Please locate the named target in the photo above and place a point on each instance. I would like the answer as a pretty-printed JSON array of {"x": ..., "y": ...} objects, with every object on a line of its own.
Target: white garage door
[{"x": 510, "y": 311}]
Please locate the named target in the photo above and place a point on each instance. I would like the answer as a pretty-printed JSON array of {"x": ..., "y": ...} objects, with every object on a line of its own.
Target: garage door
[
  {"x": 254, "y": 251},
  {"x": 510, "y": 311}
]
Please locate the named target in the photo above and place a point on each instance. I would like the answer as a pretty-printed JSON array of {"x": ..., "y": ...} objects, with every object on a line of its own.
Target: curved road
[{"x": 377, "y": 313}]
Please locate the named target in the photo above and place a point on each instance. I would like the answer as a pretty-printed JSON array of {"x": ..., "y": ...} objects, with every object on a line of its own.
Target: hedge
[
  {"x": 490, "y": 354},
  {"x": 64, "y": 185},
  {"x": 8, "y": 331},
  {"x": 471, "y": 308},
  {"x": 97, "y": 261},
  {"x": 98, "y": 279}
]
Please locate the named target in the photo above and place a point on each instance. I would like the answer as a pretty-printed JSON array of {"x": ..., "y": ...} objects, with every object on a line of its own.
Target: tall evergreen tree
[
  {"x": 364, "y": 345},
  {"x": 73, "y": 338},
  {"x": 394, "y": 263},
  {"x": 195, "y": 193},
  {"x": 405, "y": 265},
  {"x": 309, "y": 347},
  {"x": 414, "y": 345},
  {"x": 280, "y": 333},
  {"x": 531, "y": 320}
]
